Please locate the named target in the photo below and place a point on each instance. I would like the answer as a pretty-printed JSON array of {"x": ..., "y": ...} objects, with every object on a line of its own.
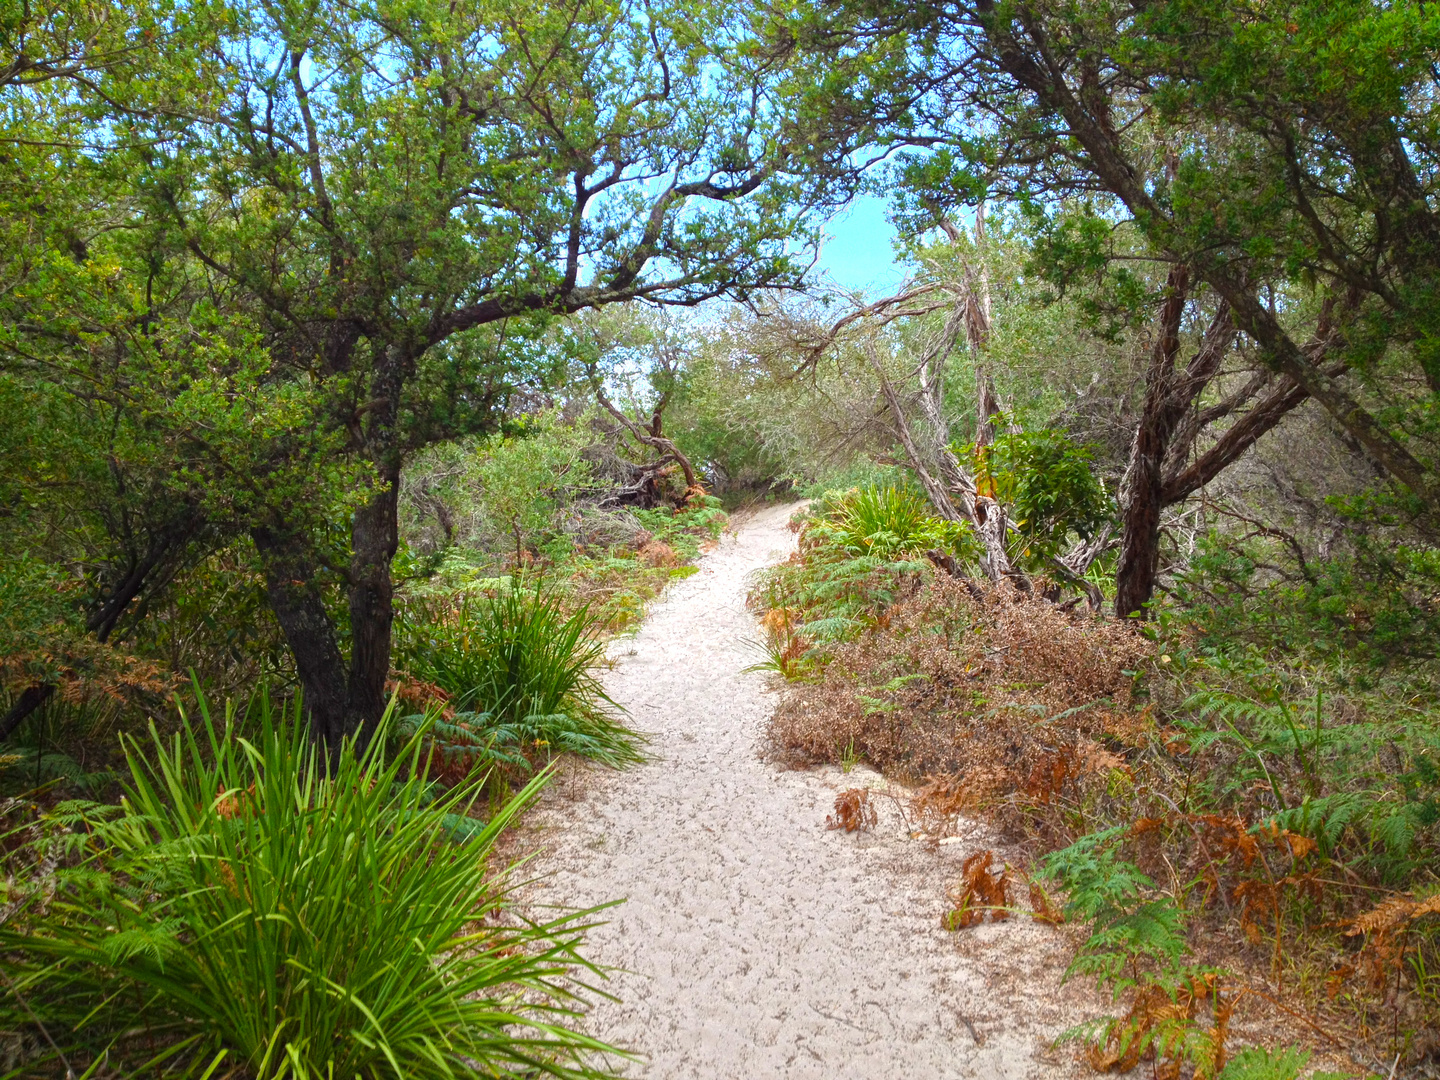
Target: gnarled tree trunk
[
  {"x": 1140, "y": 491},
  {"x": 345, "y": 700}
]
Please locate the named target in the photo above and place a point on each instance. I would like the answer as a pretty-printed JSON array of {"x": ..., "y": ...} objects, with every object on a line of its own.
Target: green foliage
[
  {"x": 32, "y": 767},
  {"x": 886, "y": 523},
  {"x": 1051, "y": 488},
  {"x": 858, "y": 557},
  {"x": 251, "y": 904},
  {"x": 1128, "y": 926},
  {"x": 527, "y": 477},
  {"x": 520, "y": 668},
  {"x": 1374, "y": 606},
  {"x": 1285, "y": 1063},
  {"x": 1074, "y": 250},
  {"x": 1315, "y": 739}
]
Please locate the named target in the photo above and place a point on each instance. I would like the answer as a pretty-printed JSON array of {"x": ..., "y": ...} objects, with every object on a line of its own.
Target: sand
[{"x": 753, "y": 942}]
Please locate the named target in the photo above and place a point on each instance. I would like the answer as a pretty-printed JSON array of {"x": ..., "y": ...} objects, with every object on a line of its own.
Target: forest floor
[{"x": 753, "y": 941}]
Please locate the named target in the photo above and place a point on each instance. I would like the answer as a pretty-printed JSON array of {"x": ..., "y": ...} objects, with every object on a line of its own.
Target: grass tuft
[{"x": 250, "y": 907}]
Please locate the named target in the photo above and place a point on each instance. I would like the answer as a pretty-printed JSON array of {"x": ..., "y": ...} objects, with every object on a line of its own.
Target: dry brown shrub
[
  {"x": 657, "y": 554},
  {"x": 853, "y": 811},
  {"x": 996, "y": 696},
  {"x": 1385, "y": 928},
  {"x": 1043, "y": 907},
  {"x": 417, "y": 695}
]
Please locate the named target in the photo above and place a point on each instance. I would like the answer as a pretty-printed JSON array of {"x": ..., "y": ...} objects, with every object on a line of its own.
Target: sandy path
[{"x": 754, "y": 943}]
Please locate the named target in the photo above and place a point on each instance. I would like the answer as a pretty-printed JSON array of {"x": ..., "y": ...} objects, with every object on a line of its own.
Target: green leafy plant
[
  {"x": 521, "y": 668},
  {"x": 253, "y": 903},
  {"x": 1049, "y": 484},
  {"x": 1323, "y": 776},
  {"x": 1130, "y": 926},
  {"x": 886, "y": 522},
  {"x": 525, "y": 479}
]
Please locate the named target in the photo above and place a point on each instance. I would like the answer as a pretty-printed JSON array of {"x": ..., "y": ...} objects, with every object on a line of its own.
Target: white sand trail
[{"x": 753, "y": 942}]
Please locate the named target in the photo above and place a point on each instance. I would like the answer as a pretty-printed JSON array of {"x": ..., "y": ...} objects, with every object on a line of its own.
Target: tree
[
  {"x": 1256, "y": 149},
  {"x": 642, "y": 355},
  {"x": 1283, "y": 155},
  {"x": 90, "y": 496},
  {"x": 386, "y": 195},
  {"x": 903, "y": 349}
]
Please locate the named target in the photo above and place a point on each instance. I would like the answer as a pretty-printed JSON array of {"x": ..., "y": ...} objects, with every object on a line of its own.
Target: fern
[
  {"x": 1127, "y": 928},
  {"x": 1257, "y": 1063},
  {"x": 34, "y": 767}
]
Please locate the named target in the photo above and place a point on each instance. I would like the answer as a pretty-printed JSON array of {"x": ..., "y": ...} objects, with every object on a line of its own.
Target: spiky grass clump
[
  {"x": 521, "y": 670},
  {"x": 248, "y": 906},
  {"x": 883, "y": 521}
]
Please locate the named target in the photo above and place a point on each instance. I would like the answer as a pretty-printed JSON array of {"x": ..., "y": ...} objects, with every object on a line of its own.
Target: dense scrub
[
  {"x": 334, "y": 360},
  {"x": 256, "y": 907},
  {"x": 1253, "y": 834}
]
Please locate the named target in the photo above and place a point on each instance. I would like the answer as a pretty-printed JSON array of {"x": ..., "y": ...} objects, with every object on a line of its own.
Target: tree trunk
[
  {"x": 343, "y": 701},
  {"x": 347, "y": 702},
  {"x": 1141, "y": 490},
  {"x": 375, "y": 537},
  {"x": 309, "y": 631}
]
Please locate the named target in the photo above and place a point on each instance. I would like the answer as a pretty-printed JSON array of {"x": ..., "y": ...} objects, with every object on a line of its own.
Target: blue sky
[{"x": 858, "y": 252}]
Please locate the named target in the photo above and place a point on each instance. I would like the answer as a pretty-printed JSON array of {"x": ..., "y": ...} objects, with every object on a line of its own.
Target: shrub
[
  {"x": 520, "y": 670},
  {"x": 998, "y": 694},
  {"x": 1050, "y": 486},
  {"x": 888, "y": 523},
  {"x": 247, "y": 904},
  {"x": 859, "y": 554}
]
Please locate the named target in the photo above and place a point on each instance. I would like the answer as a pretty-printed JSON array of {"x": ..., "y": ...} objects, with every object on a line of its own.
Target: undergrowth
[
  {"x": 250, "y": 910},
  {"x": 516, "y": 675},
  {"x": 1250, "y": 830},
  {"x": 860, "y": 551}
]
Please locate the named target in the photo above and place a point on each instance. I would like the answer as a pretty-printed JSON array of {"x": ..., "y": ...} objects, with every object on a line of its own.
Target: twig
[
  {"x": 969, "y": 1027},
  {"x": 1298, "y": 1016},
  {"x": 900, "y": 809}
]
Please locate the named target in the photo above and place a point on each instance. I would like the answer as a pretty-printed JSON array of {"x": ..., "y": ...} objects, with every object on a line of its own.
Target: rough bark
[
  {"x": 299, "y": 608},
  {"x": 1239, "y": 438},
  {"x": 346, "y": 700},
  {"x": 1141, "y": 489},
  {"x": 374, "y": 539}
]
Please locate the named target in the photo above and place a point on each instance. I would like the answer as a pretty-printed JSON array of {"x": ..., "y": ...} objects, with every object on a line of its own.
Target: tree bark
[
  {"x": 374, "y": 539},
  {"x": 294, "y": 594},
  {"x": 1141, "y": 489},
  {"x": 346, "y": 701}
]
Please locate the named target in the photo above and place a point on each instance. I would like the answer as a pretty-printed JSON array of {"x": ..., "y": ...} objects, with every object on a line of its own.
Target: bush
[
  {"x": 519, "y": 669},
  {"x": 1050, "y": 486},
  {"x": 888, "y": 522},
  {"x": 999, "y": 695},
  {"x": 859, "y": 554},
  {"x": 247, "y": 904},
  {"x": 1371, "y": 610}
]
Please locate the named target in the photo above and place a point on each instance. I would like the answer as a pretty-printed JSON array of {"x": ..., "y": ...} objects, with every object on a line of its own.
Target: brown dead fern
[
  {"x": 982, "y": 891},
  {"x": 853, "y": 811}
]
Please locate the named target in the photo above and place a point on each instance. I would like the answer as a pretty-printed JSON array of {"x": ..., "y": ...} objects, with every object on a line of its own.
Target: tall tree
[
  {"x": 1275, "y": 150},
  {"x": 387, "y": 192}
]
